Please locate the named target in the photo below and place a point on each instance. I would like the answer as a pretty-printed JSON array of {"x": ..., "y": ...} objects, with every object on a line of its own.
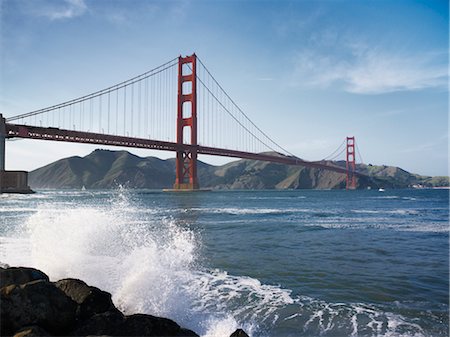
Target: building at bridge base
[
  {"x": 186, "y": 161},
  {"x": 14, "y": 182},
  {"x": 10, "y": 181}
]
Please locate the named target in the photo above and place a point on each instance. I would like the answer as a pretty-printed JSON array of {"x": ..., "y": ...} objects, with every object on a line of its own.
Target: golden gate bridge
[{"x": 178, "y": 106}]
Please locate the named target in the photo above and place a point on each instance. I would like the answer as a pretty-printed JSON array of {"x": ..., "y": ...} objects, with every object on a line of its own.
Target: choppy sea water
[{"x": 276, "y": 263}]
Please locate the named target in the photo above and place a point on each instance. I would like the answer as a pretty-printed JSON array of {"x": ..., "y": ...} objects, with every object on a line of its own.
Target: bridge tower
[
  {"x": 350, "y": 164},
  {"x": 186, "y": 162}
]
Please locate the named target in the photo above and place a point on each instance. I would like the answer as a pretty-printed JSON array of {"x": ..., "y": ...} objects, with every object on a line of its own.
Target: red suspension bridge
[{"x": 178, "y": 106}]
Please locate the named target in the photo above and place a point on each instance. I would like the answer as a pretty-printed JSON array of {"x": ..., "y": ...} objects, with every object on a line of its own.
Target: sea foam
[
  {"x": 154, "y": 264},
  {"x": 149, "y": 265}
]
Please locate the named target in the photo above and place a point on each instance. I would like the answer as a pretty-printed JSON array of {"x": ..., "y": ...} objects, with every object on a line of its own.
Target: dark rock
[
  {"x": 20, "y": 275},
  {"x": 114, "y": 324},
  {"x": 36, "y": 303},
  {"x": 239, "y": 333},
  {"x": 106, "y": 323},
  {"x": 32, "y": 306},
  {"x": 187, "y": 333},
  {"x": 147, "y": 325},
  {"x": 91, "y": 300},
  {"x": 31, "y": 331}
]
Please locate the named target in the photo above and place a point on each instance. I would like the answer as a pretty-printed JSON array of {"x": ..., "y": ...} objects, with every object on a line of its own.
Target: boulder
[
  {"x": 239, "y": 333},
  {"x": 187, "y": 333},
  {"x": 147, "y": 325},
  {"x": 114, "y": 324},
  {"x": 90, "y": 300},
  {"x": 30, "y": 306},
  {"x": 36, "y": 303},
  {"x": 20, "y": 275},
  {"x": 106, "y": 323},
  {"x": 31, "y": 331}
]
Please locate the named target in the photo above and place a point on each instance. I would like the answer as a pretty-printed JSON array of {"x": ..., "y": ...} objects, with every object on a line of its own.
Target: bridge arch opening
[
  {"x": 187, "y": 109},
  {"x": 186, "y": 69},
  {"x": 187, "y": 88},
  {"x": 187, "y": 135}
]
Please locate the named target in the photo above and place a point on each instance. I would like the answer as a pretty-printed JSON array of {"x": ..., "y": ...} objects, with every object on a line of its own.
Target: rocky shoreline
[{"x": 31, "y": 305}]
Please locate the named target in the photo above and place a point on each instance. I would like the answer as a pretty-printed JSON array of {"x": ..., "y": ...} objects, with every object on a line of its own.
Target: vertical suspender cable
[
  {"x": 124, "y": 110},
  {"x": 117, "y": 111},
  {"x": 132, "y": 111},
  {"x": 100, "y": 114},
  {"x": 147, "y": 128},
  {"x": 139, "y": 110},
  {"x": 109, "y": 108}
]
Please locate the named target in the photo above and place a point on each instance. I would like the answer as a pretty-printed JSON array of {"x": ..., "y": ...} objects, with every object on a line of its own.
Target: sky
[{"x": 308, "y": 73}]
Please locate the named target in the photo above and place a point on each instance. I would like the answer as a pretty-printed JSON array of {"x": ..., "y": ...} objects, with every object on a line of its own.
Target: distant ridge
[{"x": 104, "y": 169}]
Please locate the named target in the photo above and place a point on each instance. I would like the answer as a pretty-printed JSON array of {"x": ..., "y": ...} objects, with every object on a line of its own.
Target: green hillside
[{"x": 103, "y": 169}]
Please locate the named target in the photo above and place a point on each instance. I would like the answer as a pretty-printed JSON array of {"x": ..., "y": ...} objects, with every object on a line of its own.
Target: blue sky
[{"x": 309, "y": 73}]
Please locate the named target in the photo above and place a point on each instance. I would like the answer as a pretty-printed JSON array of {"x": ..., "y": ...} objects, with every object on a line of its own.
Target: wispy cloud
[
  {"x": 431, "y": 145},
  {"x": 125, "y": 15},
  {"x": 363, "y": 69},
  {"x": 60, "y": 10}
]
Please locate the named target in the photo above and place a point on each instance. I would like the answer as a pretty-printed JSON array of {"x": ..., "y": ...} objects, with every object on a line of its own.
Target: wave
[
  {"x": 430, "y": 227},
  {"x": 353, "y": 319},
  {"x": 396, "y": 211},
  {"x": 249, "y": 211},
  {"x": 149, "y": 266},
  {"x": 277, "y": 198},
  {"x": 17, "y": 209},
  {"x": 154, "y": 265}
]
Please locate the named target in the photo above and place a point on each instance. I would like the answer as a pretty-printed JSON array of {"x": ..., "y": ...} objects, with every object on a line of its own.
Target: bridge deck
[{"x": 56, "y": 134}]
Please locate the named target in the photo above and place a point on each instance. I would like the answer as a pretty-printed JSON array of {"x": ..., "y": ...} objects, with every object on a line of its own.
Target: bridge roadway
[{"x": 56, "y": 134}]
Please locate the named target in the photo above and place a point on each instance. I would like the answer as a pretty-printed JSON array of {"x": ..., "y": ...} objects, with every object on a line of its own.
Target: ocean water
[{"x": 275, "y": 263}]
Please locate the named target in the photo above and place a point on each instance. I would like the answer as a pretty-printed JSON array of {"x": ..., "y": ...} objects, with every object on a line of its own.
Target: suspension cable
[
  {"x": 115, "y": 87},
  {"x": 331, "y": 155},
  {"x": 359, "y": 153},
  {"x": 246, "y": 117},
  {"x": 337, "y": 155}
]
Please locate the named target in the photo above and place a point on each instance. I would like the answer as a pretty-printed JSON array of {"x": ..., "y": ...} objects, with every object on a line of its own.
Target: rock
[
  {"x": 187, "y": 333},
  {"x": 147, "y": 325},
  {"x": 112, "y": 324},
  {"x": 239, "y": 333},
  {"x": 20, "y": 275},
  {"x": 36, "y": 303},
  {"x": 31, "y": 331},
  {"x": 30, "y": 306},
  {"x": 106, "y": 323},
  {"x": 91, "y": 300}
]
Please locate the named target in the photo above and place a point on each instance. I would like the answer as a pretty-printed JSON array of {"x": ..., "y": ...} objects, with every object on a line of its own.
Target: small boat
[
  {"x": 83, "y": 188},
  {"x": 381, "y": 190}
]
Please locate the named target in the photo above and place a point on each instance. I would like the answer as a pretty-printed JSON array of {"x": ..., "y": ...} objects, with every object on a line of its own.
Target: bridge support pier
[
  {"x": 10, "y": 181},
  {"x": 186, "y": 162}
]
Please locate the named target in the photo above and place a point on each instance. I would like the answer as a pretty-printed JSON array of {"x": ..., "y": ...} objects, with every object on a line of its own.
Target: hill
[{"x": 104, "y": 169}]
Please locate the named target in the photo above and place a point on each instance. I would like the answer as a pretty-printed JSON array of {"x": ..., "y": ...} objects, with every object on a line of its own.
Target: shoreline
[{"x": 32, "y": 305}]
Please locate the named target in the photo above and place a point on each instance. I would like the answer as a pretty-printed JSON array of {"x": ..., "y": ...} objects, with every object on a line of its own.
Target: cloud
[
  {"x": 125, "y": 14},
  {"x": 60, "y": 10},
  {"x": 362, "y": 69},
  {"x": 430, "y": 146}
]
